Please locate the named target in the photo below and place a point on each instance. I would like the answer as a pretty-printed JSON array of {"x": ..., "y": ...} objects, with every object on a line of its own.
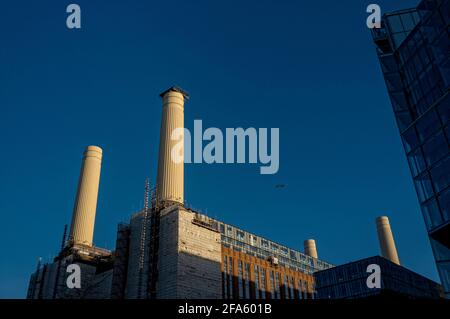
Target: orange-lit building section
[{"x": 248, "y": 277}]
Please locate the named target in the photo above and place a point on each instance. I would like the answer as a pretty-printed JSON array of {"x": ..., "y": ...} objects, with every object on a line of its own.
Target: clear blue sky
[{"x": 307, "y": 67}]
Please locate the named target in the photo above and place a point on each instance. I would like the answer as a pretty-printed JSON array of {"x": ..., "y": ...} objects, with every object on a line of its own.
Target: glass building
[
  {"x": 413, "y": 47},
  {"x": 349, "y": 281}
]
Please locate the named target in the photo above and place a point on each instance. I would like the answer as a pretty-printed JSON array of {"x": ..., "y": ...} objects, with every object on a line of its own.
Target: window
[
  {"x": 241, "y": 282},
  {"x": 395, "y": 25},
  {"x": 278, "y": 285},
  {"x": 230, "y": 276},
  {"x": 431, "y": 214},
  {"x": 286, "y": 288},
  {"x": 225, "y": 277},
  {"x": 240, "y": 235},
  {"x": 247, "y": 280},
  {"x": 435, "y": 149},
  {"x": 264, "y": 243},
  {"x": 292, "y": 255},
  {"x": 291, "y": 288},
  {"x": 408, "y": 21},
  {"x": 263, "y": 283},
  {"x": 410, "y": 139},
  {"x": 441, "y": 175},
  {"x": 427, "y": 125},
  {"x": 444, "y": 202},
  {"x": 424, "y": 187},
  {"x": 416, "y": 162},
  {"x": 444, "y": 109},
  {"x": 272, "y": 285},
  {"x": 305, "y": 290},
  {"x": 300, "y": 289},
  {"x": 256, "y": 271}
]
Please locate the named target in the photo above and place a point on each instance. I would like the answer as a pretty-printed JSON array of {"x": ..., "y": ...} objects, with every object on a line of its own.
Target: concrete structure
[
  {"x": 170, "y": 178},
  {"x": 386, "y": 239},
  {"x": 310, "y": 248},
  {"x": 49, "y": 280},
  {"x": 349, "y": 281},
  {"x": 83, "y": 219},
  {"x": 189, "y": 257},
  {"x": 201, "y": 257}
]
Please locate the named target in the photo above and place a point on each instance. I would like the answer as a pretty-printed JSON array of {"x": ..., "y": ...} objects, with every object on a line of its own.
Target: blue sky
[{"x": 306, "y": 67}]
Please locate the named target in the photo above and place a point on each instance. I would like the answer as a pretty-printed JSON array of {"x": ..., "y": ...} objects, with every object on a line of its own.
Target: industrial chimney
[
  {"x": 387, "y": 244},
  {"x": 170, "y": 179},
  {"x": 83, "y": 219},
  {"x": 310, "y": 248}
]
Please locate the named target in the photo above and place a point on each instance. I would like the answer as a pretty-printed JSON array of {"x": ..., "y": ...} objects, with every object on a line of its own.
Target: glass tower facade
[
  {"x": 413, "y": 48},
  {"x": 349, "y": 281}
]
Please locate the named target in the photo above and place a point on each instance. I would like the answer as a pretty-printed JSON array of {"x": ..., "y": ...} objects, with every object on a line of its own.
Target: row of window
[
  {"x": 280, "y": 287},
  {"x": 262, "y": 248},
  {"x": 422, "y": 71},
  {"x": 306, "y": 266},
  {"x": 427, "y": 125},
  {"x": 436, "y": 211},
  {"x": 436, "y": 180},
  {"x": 358, "y": 288}
]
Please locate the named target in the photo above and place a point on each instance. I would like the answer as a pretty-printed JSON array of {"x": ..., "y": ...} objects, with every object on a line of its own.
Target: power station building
[{"x": 168, "y": 250}]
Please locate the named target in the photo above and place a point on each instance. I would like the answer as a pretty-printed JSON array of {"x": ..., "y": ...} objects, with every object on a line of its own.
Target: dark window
[
  {"x": 408, "y": 21},
  {"x": 395, "y": 25},
  {"x": 435, "y": 149},
  {"x": 423, "y": 187},
  {"x": 444, "y": 202},
  {"x": 441, "y": 175},
  {"x": 431, "y": 214},
  {"x": 292, "y": 255},
  {"x": 416, "y": 162},
  {"x": 410, "y": 139},
  {"x": 444, "y": 109},
  {"x": 427, "y": 125}
]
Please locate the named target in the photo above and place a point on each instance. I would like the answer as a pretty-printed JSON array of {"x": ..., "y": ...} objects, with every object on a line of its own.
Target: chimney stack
[
  {"x": 387, "y": 244},
  {"x": 83, "y": 219},
  {"x": 310, "y": 248},
  {"x": 170, "y": 179}
]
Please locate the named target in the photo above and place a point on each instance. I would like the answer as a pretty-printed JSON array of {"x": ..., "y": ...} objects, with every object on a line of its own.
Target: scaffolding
[
  {"x": 143, "y": 238},
  {"x": 58, "y": 269},
  {"x": 121, "y": 261}
]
